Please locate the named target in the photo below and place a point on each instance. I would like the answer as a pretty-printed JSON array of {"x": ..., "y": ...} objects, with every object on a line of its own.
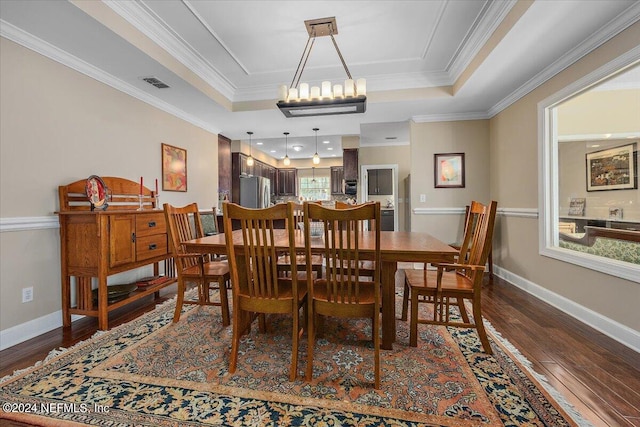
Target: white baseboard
[
  {"x": 621, "y": 333},
  {"x": 31, "y": 329}
]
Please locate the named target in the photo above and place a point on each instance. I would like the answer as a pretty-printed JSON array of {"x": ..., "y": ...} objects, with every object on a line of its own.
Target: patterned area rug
[{"x": 156, "y": 373}]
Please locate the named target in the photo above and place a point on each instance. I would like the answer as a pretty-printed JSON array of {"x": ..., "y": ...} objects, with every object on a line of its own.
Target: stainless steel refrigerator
[{"x": 255, "y": 192}]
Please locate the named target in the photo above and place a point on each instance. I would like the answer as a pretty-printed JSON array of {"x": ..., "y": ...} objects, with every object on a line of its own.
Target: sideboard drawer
[
  {"x": 148, "y": 224},
  {"x": 151, "y": 246}
]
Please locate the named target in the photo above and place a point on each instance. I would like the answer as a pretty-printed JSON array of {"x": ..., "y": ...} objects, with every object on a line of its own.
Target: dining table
[{"x": 395, "y": 247}]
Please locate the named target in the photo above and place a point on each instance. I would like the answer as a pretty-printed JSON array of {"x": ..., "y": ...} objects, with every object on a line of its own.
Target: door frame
[{"x": 364, "y": 181}]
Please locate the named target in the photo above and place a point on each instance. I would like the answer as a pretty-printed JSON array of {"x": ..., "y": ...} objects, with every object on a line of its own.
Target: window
[
  {"x": 315, "y": 189},
  {"x": 584, "y": 128}
]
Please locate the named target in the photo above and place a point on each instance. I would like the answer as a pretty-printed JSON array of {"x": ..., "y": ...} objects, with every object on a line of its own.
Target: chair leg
[
  {"x": 224, "y": 301},
  {"x": 490, "y": 259},
  {"x": 463, "y": 310},
  {"x": 235, "y": 342},
  {"x": 405, "y": 300},
  {"x": 293, "y": 373},
  {"x": 477, "y": 317},
  {"x": 310, "y": 341},
  {"x": 413, "y": 324},
  {"x": 179, "y": 301},
  {"x": 376, "y": 346}
]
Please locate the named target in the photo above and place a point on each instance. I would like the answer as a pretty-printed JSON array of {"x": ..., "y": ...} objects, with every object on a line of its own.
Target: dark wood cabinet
[
  {"x": 337, "y": 180},
  {"x": 350, "y": 164},
  {"x": 224, "y": 164},
  {"x": 287, "y": 182},
  {"x": 380, "y": 182},
  {"x": 239, "y": 167}
]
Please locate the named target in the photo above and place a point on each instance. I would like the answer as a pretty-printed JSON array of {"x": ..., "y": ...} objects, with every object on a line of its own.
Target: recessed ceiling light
[
  {"x": 272, "y": 151},
  {"x": 297, "y": 147},
  {"x": 258, "y": 143},
  {"x": 333, "y": 155},
  {"x": 329, "y": 148},
  {"x": 326, "y": 142}
]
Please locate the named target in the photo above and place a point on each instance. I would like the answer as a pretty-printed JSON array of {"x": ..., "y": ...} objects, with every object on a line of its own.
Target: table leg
[{"x": 388, "y": 304}]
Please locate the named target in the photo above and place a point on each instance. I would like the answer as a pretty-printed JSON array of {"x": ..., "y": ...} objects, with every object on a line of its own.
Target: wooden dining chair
[
  {"x": 257, "y": 287},
  {"x": 366, "y": 266},
  {"x": 453, "y": 283},
  {"x": 344, "y": 291},
  {"x": 184, "y": 224},
  {"x": 457, "y": 245},
  {"x": 284, "y": 260}
]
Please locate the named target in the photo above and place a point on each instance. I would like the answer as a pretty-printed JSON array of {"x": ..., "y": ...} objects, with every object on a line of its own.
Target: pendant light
[
  {"x": 286, "y": 160},
  {"x": 313, "y": 171},
  {"x": 250, "y": 158},
  {"x": 316, "y": 158}
]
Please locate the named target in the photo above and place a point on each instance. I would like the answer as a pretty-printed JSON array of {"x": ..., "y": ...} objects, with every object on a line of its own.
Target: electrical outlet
[
  {"x": 423, "y": 198},
  {"x": 27, "y": 294}
]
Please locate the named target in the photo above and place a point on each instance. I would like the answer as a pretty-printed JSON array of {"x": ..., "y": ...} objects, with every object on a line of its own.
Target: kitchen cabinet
[
  {"x": 239, "y": 167},
  {"x": 337, "y": 180},
  {"x": 380, "y": 182},
  {"x": 350, "y": 164},
  {"x": 287, "y": 182}
]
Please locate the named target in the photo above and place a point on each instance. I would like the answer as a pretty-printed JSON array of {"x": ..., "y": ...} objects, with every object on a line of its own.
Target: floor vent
[{"x": 157, "y": 83}]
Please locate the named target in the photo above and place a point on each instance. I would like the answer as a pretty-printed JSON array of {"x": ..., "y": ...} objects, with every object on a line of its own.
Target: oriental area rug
[{"x": 152, "y": 372}]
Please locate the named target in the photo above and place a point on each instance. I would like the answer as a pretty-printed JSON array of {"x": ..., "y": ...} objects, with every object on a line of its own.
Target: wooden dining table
[{"x": 395, "y": 246}]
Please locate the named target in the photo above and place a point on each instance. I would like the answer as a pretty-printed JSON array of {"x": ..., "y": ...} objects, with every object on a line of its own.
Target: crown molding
[
  {"x": 151, "y": 26},
  {"x": 44, "y": 48},
  {"x": 492, "y": 16},
  {"x": 614, "y": 27},
  {"x": 450, "y": 117}
]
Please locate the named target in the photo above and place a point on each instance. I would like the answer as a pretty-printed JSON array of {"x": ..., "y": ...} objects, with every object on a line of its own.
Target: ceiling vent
[{"x": 157, "y": 83}]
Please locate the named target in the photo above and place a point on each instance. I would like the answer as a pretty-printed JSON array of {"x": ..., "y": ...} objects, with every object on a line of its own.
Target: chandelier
[{"x": 300, "y": 100}]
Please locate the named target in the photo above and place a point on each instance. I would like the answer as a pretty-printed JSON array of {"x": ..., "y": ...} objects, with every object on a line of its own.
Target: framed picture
[
  {"x": 576, "y": 207},
  {"x": 449, "y": 170},
  {"x": 174, "y": 168},
  {"x": 613, "y": 169}
]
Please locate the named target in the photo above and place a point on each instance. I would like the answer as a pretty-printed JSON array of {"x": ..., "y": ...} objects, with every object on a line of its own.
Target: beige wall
[
  {"x": 470, "y": 137},
  {"x": 514, "y": 183},
  {"x": 58, "y": 126}
]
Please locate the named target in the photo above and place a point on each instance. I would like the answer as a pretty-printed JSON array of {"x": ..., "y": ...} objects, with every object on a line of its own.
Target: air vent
[
  {"x": 157, "y": 83},
  {"x": 391, "y": 137}
]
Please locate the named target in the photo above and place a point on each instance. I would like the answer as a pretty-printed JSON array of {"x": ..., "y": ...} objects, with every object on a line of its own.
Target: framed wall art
[
  {"x": 613, "y": 169},
  {"x": 449, "y": 170},
  {"x": 174, "y": 168}
]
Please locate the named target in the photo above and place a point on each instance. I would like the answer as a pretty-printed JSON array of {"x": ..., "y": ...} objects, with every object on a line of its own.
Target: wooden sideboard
[{"x": 96, "y": 244}]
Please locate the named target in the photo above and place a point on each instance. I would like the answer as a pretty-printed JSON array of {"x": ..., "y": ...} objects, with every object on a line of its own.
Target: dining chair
[
  {"x": 284, "y": 260},
  {"x": 184, "y": 224},
  {"x": 453, "y": 283},
  {"x": 457, "y": 245},
  {"x": 366, "y": 266},
  {"x": 257, "y": 287},
  {"x": 344, "y": 291}
]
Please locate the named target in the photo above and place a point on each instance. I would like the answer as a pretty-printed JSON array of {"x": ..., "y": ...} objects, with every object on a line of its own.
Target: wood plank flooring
[{"x": 597, "y": 375}]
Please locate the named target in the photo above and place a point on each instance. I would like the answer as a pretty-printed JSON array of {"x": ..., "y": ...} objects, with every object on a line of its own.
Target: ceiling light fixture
[
  {"x": 286, "y": 161},
  {"x": 313, "y": 171},
  {"x": 250, "y": 158},
  {"x": 299, "y": 101},
  {"x": 316, "y": 158}
]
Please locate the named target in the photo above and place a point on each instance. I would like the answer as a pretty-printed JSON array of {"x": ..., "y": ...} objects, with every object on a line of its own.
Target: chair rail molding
[
  {"x": 26, "y": 223},
  {"x": 515, "y": 212}
]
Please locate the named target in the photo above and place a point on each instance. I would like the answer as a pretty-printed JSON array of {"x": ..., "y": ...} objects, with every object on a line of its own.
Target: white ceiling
[{"x": 223, "y": 60}]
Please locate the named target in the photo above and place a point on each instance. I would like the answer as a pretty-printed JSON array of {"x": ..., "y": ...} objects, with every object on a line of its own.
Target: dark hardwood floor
[{"x": 597, "y": 375}]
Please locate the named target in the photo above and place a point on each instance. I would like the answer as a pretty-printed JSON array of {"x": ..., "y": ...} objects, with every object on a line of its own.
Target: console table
[{"x": 99, "y": 243}]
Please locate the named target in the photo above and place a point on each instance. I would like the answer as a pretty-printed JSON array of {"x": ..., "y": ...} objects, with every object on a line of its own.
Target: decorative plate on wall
[{"x": 96, "y": 192}]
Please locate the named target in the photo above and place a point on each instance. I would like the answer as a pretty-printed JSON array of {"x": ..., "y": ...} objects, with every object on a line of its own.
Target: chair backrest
[
  {"x": 364, "y": 224},
  {"x": 478, "y": 235},
  {"x": 253, "y": 255},
  {"x": 343, "y": 238},
  {"x": 183, "y": 224}
]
